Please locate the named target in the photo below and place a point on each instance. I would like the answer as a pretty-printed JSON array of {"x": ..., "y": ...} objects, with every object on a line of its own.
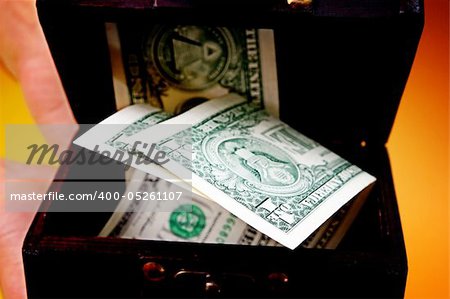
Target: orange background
[
  {"x": 418, "y": 147},
  {"x": 419, "y": 151}
]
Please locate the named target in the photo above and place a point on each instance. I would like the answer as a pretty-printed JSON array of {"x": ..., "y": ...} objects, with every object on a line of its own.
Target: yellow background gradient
[{"x": 418, "y": 147}]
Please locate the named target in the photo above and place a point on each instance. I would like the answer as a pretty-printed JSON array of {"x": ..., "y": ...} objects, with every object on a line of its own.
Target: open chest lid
[{"x": 342, "y": 65}]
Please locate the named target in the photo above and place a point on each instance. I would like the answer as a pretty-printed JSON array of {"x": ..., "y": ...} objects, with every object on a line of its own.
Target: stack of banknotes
[{"x": 199, "y": 105}]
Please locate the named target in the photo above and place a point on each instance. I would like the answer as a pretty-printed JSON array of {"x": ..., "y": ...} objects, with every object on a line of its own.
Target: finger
[
  {"x": 13, "y": 227},
  {"x": 12, "y": 276},
  {"x": 25, "y": 53}
]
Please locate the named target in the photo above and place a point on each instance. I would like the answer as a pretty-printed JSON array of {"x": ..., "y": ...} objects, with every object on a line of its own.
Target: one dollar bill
[
  {"x": 143, "y": 220},
  {"x": 258, "y": 168},
  {"x": 175, "y": 67}
]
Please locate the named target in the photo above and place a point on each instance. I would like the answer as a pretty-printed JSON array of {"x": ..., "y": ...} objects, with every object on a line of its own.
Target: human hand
[{"x": 25, "y": 54}]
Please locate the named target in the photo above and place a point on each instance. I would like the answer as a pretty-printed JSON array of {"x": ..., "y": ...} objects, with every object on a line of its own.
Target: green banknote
[
  {"x": 155, "y": 220},
  {"x": 176, "y": 67},
  {"x": 190, "y": 218},
  {"x": 194, "y": 218},
  {"x": 258, "y": 168}
]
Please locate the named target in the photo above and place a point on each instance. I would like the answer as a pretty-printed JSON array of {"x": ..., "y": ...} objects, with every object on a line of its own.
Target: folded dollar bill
[
  {"x": 255, "y": 166},
  {"x": 111, "y": 134}
]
